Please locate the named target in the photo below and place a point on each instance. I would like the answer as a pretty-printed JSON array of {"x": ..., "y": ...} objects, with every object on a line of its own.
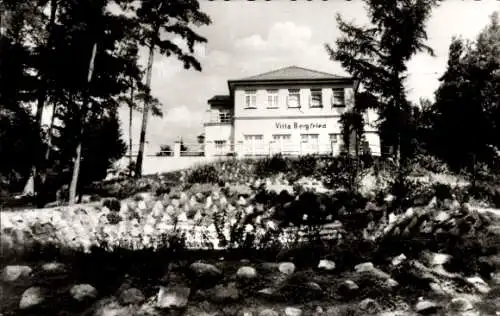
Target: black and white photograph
[{"x": 249, "y": 157}]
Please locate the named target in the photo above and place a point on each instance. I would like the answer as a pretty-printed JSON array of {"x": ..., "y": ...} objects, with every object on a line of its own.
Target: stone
[
  {"x": 182, "y": 217},
  {"x": 460, "y": 304},
  {"x": 396, "y": 261},
  {"x": 480, "y": 285},
  {"x": 267, "y": 292},
  {"x": 110, "y": 307},
  {"x": 349, "y": 286},
  {"x": 364, "y": 267},
  {"x": 204, "y": 270},
  {"x": 390, "y": 283},
  {"x": 53, "y": 267},
  {"x": 286, "y": 267},
  {"x": 268, "y": 312},
  {"x": 246, "y": 272},
  {"x": 369, "y": 305},
  {"x": 225, "y": 293},
  {"x": 440, "y": 258},
  {"x": 132, "y": 296},
  {"x": 173, "y": 297},
  {"x": 32, "y": 297},
  {"x": 327, "y": 265},
  {"x": 14, "y": 272},
  {"x": 242, "y": 201},
  {"x": 83, "y": 292},
  {"x": 293, "y": 311},
  {"x": 425, "y": 306}
]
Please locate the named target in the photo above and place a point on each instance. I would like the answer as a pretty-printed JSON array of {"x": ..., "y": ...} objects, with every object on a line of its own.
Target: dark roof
[
  {"x": 292, "y": 73},
  {"x": 219, "y": 98}
]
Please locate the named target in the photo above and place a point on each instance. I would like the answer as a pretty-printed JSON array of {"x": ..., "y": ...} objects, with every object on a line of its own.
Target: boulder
[
  {"x": 327, "y": 265},
  {"x": 364, "y": 267},
  {"x": 268, "y": 312},
  {"x": 204, "y": 273},
  {"x": 369, "y": 305},
  {"x": 173, "y": 297},
  {"x": 426, "y": 307},
  {"x": 83, "y": 292},
  {"x": 32, "y": 297},
  {"x": 132, "y": 296},
  {"x": 225, "y": 293},
  {"x": 286, "y": 267},
  {"x": 14, "y": 272},
  {"x": 396, "y": 261},
  {"x": 54, "y": 267},
  {"x": 246, "y": 272},
  {"x": 460, "y": 304},
  {"x": 293, "y": 311}
]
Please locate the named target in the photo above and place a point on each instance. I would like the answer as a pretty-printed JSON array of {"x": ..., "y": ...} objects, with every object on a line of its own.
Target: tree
[
  {"x": 377, "y": 56},
  {"x": 165, "y": 150},
  {"x": 136, "y": 93},
  {"x": 159, "y": 20},
  {"x": 469, "y": 96}
]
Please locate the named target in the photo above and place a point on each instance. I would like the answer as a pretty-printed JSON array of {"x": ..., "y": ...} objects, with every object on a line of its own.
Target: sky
[{"x": 248, "y": 38}]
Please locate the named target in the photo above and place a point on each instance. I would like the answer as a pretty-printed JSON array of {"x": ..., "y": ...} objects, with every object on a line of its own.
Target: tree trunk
[
  {"x": 83, "y": 114},
  {"x": 147, "y": 105},
  {"x": 42, "y": 91},
  {"x": 130, "y": 129},
  {"x": 49, "y": 142}
]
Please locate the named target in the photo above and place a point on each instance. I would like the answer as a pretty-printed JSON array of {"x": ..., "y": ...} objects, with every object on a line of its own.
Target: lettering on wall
[{"x": 300, "y": 126}]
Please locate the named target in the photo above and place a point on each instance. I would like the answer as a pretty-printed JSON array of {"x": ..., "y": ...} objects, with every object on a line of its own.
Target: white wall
[{"x": 155, "y": 164}]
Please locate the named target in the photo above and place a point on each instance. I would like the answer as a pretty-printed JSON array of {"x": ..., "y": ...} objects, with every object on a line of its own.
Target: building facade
[{"x": 291, "y": 111}]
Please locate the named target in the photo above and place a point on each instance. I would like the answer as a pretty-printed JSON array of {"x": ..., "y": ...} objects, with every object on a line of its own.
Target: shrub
[
  {"x": 204, "y": 174},
  {"x": 271, "y": 166},
  {"x": 112, "y": 204},
  {"x": 306, "y": 165}
]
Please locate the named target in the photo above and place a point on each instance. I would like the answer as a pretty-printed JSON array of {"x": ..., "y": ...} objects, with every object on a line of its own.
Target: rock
[
  {"x": 460, "y": 304},
  {"x": 369, "y": 305},
  {"x": 364, "y": 267},
  {"x": 480, "y": 285},
  {"x": 268, "y": 312},
  {"x": 426, "y": 307},
  {"x": 286, "y": 267},
  {"x": 132, "y": 296},
  {"x": 32, "y": 297},
  {"x": 396, "y": 261},
  {"x": 225, "y": 293},
  {"x": 390, "y": 283},
  {"x": 246, "y": 272},
  {"x": 54, "y": 267},
  {"x": 442, "y": 216},
  {"x": 14, "y": 272},
  {"x": 293, "y": 311},
  {"x": 110, "y": 307},
  {"x": 242, "y": 201},
  {"x": 348, "y": 286},
  {"x": 327, "y": 265},
  {"x": 173, "y": 297},
  {"x": 182, "y": 217},
  {"x": 267, "y": 292},
  {"x": 83, "y": 292},
  {"x": 204, "y": 272}
]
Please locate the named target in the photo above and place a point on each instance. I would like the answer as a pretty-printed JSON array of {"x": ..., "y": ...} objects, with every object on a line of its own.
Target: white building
[{"x": 292, "y": 111}]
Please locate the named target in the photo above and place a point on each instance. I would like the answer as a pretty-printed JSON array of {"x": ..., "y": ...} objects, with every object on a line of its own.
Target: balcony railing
[{"x": 215, "y": 120}]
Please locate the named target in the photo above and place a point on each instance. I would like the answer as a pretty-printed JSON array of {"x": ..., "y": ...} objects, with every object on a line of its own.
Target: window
[
  {"x": 306, "y": 138},
  {"x": 280, "y": 137},
  {"x": 225, "y": 117},
  {"x": 220, "y": 146},
  {"x": 293, "y": 98},
  {"x": 316, "y": 98},
  {"x": 250, "y": 99},
  {"x": 253, "y": 137},
  {"x": 272, "y": 98},
  {"x": 338, "y": 99},
  {"x": 334, "y": 138}
]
